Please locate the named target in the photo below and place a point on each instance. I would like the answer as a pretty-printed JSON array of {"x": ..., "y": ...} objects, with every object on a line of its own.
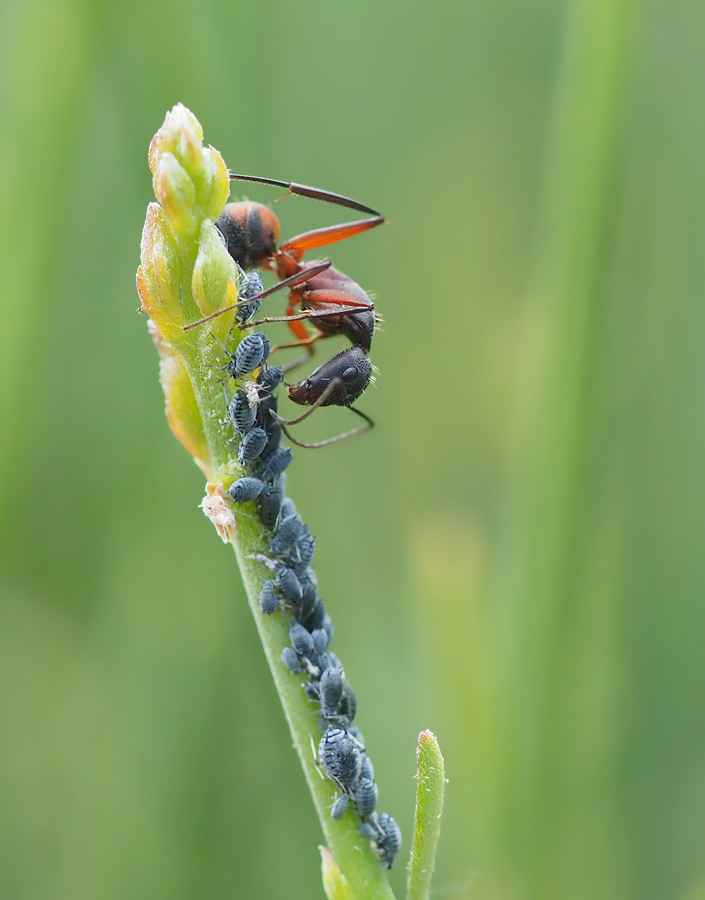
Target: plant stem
[{"x": 185, "y": 271}]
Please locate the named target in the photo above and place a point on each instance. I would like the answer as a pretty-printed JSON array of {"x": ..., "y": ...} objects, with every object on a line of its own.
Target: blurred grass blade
[
  {"x": 335, "y": 883},
  {"x": 430, "y": 776}
]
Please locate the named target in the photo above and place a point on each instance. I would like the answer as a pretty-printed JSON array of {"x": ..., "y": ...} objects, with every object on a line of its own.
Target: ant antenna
[
  {"x": 334, "y": 384},
  {"x": 305, "y": 190}
]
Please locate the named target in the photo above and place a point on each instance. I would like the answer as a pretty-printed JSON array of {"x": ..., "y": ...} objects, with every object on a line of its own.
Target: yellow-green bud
[
  {"x": 335, "y": 884},
  {"x": 214, "y": 283},
  {"x": 181, "y": 135},
  {"x": 214, "y": 189},
  {"x": 177, "y": 194},
  {"x": 181, "y": 405},
  {"x": 159, "y": 275}
]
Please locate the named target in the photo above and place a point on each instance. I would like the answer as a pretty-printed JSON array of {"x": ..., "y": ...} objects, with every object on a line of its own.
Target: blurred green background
[{"x": 513, "y": 558}]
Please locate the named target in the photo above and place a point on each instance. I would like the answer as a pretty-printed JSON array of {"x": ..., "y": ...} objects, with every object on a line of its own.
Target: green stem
[
  {"x": 186, "y": 271},
  {"x": 352, "y": 853}
]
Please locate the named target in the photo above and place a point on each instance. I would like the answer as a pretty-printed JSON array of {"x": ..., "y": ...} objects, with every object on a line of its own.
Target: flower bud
[
  {"x": 215, "y": 276},
  {"x": 181, "y": 407},
  {"x": 177, "y": 194},
  {"x": 214, "y": 188},
  {"x": 335, "y": 883},
  {"x": 181, "y": 135},
  {"x": 159, "y": 275}
]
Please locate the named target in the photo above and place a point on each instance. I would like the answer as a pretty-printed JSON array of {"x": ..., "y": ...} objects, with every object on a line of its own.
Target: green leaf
[{"x": 430, "y": 775}]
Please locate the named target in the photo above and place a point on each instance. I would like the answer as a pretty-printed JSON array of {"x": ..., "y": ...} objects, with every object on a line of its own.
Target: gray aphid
[
  {"x": 245, "y": 489},
  {"x": 241, "y": 414},
  {"x": 331, "y": 691},
  {"x": 301, "y": 640},
  {"x": 252, "y": 445},
  {"x": 366, "y": 795},
  {"x": 248, "y": 355},
  {"x": 287, "y": 533},
  {"x": 368, "y": 770},
  {"x": 275, "y": 464},
  {"x": 288, "y": 583},
  {"x": 268, "y": 601},
  {"x": 389, "y": 845},
  {"x": 340, "y": 807},
  {"x": 291, "y": 660},
  {"x": 340, "y": 758}
]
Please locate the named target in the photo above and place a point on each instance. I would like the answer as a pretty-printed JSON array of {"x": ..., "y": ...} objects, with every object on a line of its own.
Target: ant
[{"x": 331, "y": 301}]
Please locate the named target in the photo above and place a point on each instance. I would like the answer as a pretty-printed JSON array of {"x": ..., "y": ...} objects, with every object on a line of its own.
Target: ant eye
[{"x": 350, "y": 374}]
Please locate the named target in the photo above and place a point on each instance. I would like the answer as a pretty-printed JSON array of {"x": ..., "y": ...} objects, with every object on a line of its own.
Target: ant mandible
[{"x": 331, "y": 301}]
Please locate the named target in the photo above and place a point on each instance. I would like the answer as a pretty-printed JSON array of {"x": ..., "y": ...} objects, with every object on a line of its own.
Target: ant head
[
  {"x": 251, "y": 232},
  {"x": 352, "y": 371}
]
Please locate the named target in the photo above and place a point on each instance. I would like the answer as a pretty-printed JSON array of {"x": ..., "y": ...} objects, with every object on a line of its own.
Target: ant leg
[
  {"x": 298, "y": 278},
  {"x": 303, "y": 343},
  {"x": 313, "y": 314},
  {"x": 321, "y": 237},
  {"x": 305, "y": 191},
  {"x": 339, "y": 437},
  {"x": 300, "y": 360}
]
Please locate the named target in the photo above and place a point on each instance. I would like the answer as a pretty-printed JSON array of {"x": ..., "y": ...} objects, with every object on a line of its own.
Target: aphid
[
  {"x": 249, "y": 354},
  {"x": 328, "y": 627},
  {"x": 315, "y": 619},
  {"x": 304, "y": 607},
  {"x": 329, "y": 661},
  {"x": 275, "y": 464},
  {"x": 337, "y": 382},
  {"x": 249, "y": 288},
  {"x": 331, "y": 691},
  {"x": 340, "y": 807},
  {"x": 245, "y": 489},
  {"x": 366, "y": 796},
  {"x": 287, "y": 533},
  {"x": 340, "y": 758},
  {"x": 252, "y": 445},
  {"x": 301, "y": 640},
  {"x": 268, "y": 601},
  {"x": 291, "y": 660},
  {"x": 270, "y": 501},
  {"x": 303, "y": 552},
  {"x": 320, "y": 639},
  {"x": 369, "y": 830},
  {"x": 368, "y": 770},
  {"x": 240, "y": 413},
  {"x": 348, "y": 704},
  {"x": 355, "y": 733},
  {"x": 389, "y": 845},
  {"x": 270, "y": 378},
  {"x": 268, "y": 423},
  {"x": 288, "y": 507},
  {"x": 288, "y": 583},
  {"x": 311, "y": 688}
]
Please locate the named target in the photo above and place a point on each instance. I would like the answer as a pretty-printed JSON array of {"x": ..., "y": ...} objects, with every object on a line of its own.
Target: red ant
[{"x": 331, "y": 301}]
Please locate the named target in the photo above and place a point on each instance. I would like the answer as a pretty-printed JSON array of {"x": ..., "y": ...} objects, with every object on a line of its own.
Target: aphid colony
[{"x": 293, "y": 586}]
